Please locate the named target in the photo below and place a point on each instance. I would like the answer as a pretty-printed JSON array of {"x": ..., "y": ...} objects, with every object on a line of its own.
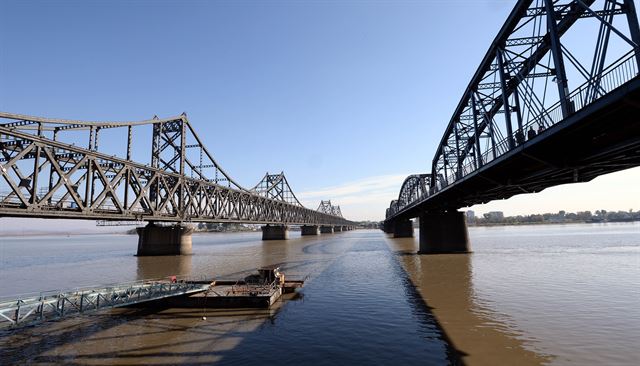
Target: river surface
[{"x": 529, "y": 295}]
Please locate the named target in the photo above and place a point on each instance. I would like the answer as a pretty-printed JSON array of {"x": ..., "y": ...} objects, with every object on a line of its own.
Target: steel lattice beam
[{"x": 42, "y": 176}]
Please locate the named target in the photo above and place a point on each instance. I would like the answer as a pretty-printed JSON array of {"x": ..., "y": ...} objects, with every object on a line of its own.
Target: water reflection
[
  {"x": 163, "y": 266},
  {"x": 445, "y": 283}
]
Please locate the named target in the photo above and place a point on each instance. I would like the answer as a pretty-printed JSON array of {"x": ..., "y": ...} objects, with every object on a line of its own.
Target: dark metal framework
[
  {"x": 550, "y": 60},
  {"x": 45, "y": 173},
  {"x": 329, "y": 209},
  {"x": 275, "y": 186}
]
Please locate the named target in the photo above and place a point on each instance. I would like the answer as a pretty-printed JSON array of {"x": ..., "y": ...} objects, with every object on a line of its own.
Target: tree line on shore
[{"x": 560, "y": 217}]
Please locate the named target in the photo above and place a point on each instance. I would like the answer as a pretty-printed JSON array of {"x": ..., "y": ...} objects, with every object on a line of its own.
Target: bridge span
[
  {"x": 555, "y": 100},
  {"x": 55, "y": 168}
]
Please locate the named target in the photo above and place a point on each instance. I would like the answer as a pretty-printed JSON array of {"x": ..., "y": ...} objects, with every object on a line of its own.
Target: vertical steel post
[
  {"x": 55, "y": 136},
  {"x": 91, "y": 132},
  {"x": 95, "y": 138},
  {"x": 446, "y": 174},
  {"x": 127, "y": 181},
  {"x": 455, "y": 131},
  {"x": 36, "y": 169},
  {"x": 556, "y": 51},
  {"x": 634, "y": 29},
  {"x": 88, "y": 194},
  {"x": 516, "y": 99},
  {"x": 505, "y": 99},
  {"x": 476, "y": 132},
  {"x": 181, "y": 190}
]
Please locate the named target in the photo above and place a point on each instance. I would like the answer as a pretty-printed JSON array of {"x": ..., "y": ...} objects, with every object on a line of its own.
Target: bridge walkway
[{"x": 34, "y": 308}]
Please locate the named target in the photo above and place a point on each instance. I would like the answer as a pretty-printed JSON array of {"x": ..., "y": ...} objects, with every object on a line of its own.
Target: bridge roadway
[
  {"x": 48, "y": 173},
  {"x": 593, "y": 130}
]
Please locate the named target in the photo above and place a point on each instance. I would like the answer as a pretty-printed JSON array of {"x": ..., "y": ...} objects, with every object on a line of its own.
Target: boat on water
[{"x": 259, "y": 290}]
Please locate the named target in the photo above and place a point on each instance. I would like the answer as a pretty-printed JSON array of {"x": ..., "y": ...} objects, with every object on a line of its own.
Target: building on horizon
[
  {"x": 471, "y": 216},
  {"x": 494, "y": 216}
]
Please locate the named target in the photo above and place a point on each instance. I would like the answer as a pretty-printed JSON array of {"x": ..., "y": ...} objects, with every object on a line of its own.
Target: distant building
[
  {"x": 471, "y": 216},
  {"x": 494, "y": 216}
]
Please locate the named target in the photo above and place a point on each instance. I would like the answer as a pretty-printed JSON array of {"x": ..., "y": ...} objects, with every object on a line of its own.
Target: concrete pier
[
  {"x": 326, "y": 229},
  {"x": 337, "y": 229},
  {"x": 403, "y": 229},
  {"x": 387, "y": 227},
  {"x": 164, "y": 240},
  {"x": 275, "y": 232},
  {"x": 309, "y": 230},
  {"x": 444, "y": 232}
]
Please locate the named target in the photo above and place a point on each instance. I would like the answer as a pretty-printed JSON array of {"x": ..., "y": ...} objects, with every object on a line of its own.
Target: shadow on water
[
  {"x": 421, "y": 308},
  {"x": 170, "y": 336},
  {"x": 443, "y": 283},
  {"x": 161, "y": 266}
]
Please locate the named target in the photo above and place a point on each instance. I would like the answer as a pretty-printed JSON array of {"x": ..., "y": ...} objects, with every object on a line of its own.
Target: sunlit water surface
[{"x": 565, "y": 295}]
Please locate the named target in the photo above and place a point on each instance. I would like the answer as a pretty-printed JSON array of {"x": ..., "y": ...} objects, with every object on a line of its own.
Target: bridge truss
[
  {"x": 329, "y": 209},
  {"x": 47, "y": 172},
  {"x": 550, "y": 61}
]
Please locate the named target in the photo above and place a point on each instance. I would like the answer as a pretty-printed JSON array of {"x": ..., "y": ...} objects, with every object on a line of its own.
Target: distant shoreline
[{"x": 549, "y": 223}]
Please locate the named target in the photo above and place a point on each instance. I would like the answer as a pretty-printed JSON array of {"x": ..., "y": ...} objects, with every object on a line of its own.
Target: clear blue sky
[{"x": 338, "y": 94}]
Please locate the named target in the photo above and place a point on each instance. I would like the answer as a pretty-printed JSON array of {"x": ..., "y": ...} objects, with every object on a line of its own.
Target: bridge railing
[
  {"x": 48, "y": 305},
  {"x": 618, "y": 73}
]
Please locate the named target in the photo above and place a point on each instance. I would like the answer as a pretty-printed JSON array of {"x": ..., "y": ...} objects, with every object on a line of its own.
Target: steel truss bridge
[
  {"x": 54, "y": 168},
  {"x": 555, "y": 100}
]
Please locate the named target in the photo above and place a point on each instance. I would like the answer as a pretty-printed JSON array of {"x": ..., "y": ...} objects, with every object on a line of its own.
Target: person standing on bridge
[
  {"x": 520, "y": 137},
  {"x": 531, "y": 133}
]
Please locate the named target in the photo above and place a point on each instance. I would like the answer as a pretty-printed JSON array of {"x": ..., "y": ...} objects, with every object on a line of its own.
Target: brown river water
[{"x": 530, "y": 295}]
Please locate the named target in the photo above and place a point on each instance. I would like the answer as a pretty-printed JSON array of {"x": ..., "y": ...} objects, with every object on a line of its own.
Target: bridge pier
[
  {"x": 444, "y": 232},
  {"x": 337, "y": 229},
  {"x": 387, "y": 227},
  {"x": 164, "y": 240},
  {"x": 275, "y": 232},
  {"x": 403, "y": 229},
  {"x": 309, "y": 230},
  {"x": 326, "y": 229}
]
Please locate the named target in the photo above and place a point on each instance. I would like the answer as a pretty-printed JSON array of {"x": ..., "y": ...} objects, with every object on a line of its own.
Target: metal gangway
[{"x": 34, "y": 308}]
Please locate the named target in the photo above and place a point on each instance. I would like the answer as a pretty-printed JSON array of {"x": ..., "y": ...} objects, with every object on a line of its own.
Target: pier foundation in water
[
  {"x": 403, "y": 229},
  {"x": 326, "y": 229},
  {"x": 164, "y": 240},
  {"x": 309, "y": 230},
  {"x": 443, "y": 232},
  {"x": 275, "y": 232}
]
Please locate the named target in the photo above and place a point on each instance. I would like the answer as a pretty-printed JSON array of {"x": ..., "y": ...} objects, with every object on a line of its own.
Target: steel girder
[
  {"x": 44, "y": 176},
  {"x": 535, "y": 74}
]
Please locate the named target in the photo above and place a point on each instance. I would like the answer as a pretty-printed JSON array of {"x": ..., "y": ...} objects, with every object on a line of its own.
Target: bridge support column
[
  {"x": 309, "y": 230},
  {"x": 164, "y": 240},
  {"x": 326, "y": 229},
  {"x": 387, "y": 227},
  {"x": 337, "y": 229},
  {"x": 275, "y": 232},
  {"x": 444, "y": 232},
  {"x": 403, "y": 229}
]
